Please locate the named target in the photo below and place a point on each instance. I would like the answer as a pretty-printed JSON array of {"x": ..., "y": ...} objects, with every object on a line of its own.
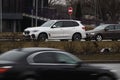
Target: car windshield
[
  {"x": 48, "y": 23},
  {"x": 100, "y": 27},
  {"x": 12, "y": 55}
]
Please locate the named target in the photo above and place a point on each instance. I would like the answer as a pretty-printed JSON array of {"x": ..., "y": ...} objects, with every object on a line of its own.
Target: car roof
[
  {"x": 35, "y": 49},
  {"x": 17, "y": 54},
  {"x": 65, "y": 20},
  {"x": 105, "y": 25},
  {"x": 109, "y": 24}
]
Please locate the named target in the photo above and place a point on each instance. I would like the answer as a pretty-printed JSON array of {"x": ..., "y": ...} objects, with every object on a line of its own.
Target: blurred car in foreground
[
  {"x": 105, "y": 31},
  {"x": 48, "y": 64},
  {"x": 56, "y": 30}
]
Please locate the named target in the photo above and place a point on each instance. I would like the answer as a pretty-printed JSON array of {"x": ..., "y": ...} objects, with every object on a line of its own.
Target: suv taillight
[
  {"x": 5, "y": 68},
  {"x": 83, "y": 28}
]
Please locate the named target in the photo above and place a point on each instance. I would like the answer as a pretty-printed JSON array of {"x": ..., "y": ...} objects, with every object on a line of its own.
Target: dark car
[
  {"x": 48, "y": 64},
  {"x": 105, "y": 31}
]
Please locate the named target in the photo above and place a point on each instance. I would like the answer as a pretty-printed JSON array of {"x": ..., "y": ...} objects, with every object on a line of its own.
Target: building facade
[{"x": 13, "y": 10}]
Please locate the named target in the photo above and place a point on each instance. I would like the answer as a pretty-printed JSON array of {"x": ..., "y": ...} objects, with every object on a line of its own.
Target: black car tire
[
  {"x": 98, "y": 37},
  {"x": 42, "y": 37},
  {"x": 76, "y": 37},
  {"x": 104, "y": 78}
]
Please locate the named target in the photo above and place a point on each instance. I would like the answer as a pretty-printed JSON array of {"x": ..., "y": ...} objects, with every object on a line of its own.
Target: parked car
[
  {"x": 48, "y": 64},
  {"x": 57, "y": 29},
  {"x": 105, "y": 31}
]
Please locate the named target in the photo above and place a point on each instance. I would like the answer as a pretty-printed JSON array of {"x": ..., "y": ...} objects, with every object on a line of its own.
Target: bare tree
[
  {"x": 52, "y": 2},
  {"x": 110, "y": 11},
  {"x": 105, "y": 10},
  {"x": 55, "y": 2},
  {"x": 71, "y": 2}
]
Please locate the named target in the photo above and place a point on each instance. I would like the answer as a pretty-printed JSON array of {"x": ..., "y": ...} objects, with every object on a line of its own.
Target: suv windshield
[{"x": 48, "y": 23}]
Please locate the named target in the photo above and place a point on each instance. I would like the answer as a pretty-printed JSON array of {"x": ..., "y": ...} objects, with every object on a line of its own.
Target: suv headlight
[{"x": 35, "y": 30}]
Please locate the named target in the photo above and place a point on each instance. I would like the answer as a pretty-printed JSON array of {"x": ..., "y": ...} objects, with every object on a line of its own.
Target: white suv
[{"x": 57, "y": 29}]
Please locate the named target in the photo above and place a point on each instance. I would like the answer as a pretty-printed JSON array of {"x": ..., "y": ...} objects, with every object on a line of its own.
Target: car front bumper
[{"x": 90, "y": 37}]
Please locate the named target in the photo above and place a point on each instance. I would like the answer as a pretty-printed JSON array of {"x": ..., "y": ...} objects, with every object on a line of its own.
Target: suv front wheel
[{"x": 42, "y": 37}]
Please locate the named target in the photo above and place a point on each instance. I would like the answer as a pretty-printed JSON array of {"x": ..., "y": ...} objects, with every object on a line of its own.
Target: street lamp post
[
  {"x": 36, "y": 13},
  {"x": 32, "y": 18},
  {"x": 0, "y": 15},
  {"x": 42, "y": 4},
  {"x": 36, "y": 6},
  {"x": 32, "y": 12}
]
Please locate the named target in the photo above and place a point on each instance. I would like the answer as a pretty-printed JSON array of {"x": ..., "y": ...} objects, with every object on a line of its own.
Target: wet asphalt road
[{"x": 113, "y": 66}]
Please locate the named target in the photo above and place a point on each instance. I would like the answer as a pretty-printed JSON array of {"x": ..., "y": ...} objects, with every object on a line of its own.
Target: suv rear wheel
[{"x": 76, "y": 37}]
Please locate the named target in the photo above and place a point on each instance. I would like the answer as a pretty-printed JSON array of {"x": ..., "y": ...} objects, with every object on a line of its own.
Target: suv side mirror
[{"x": 54, "y": 26}]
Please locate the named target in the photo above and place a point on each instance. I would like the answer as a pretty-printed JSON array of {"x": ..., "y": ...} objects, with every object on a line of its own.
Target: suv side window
[
  {"x": 75, "y": 23},
  {"x": 70, "y": 24},
  {"x": 44, "y": 58},
  {"x": 59, "y": 24}
]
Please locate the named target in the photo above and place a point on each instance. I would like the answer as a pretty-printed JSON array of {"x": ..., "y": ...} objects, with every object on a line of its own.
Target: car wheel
[
  {"x": 104, "y": 78},
  {"x": 76, "y": 37},
  {"x": 42, "y": 37},
  {"x": 98, "y": 37}
]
